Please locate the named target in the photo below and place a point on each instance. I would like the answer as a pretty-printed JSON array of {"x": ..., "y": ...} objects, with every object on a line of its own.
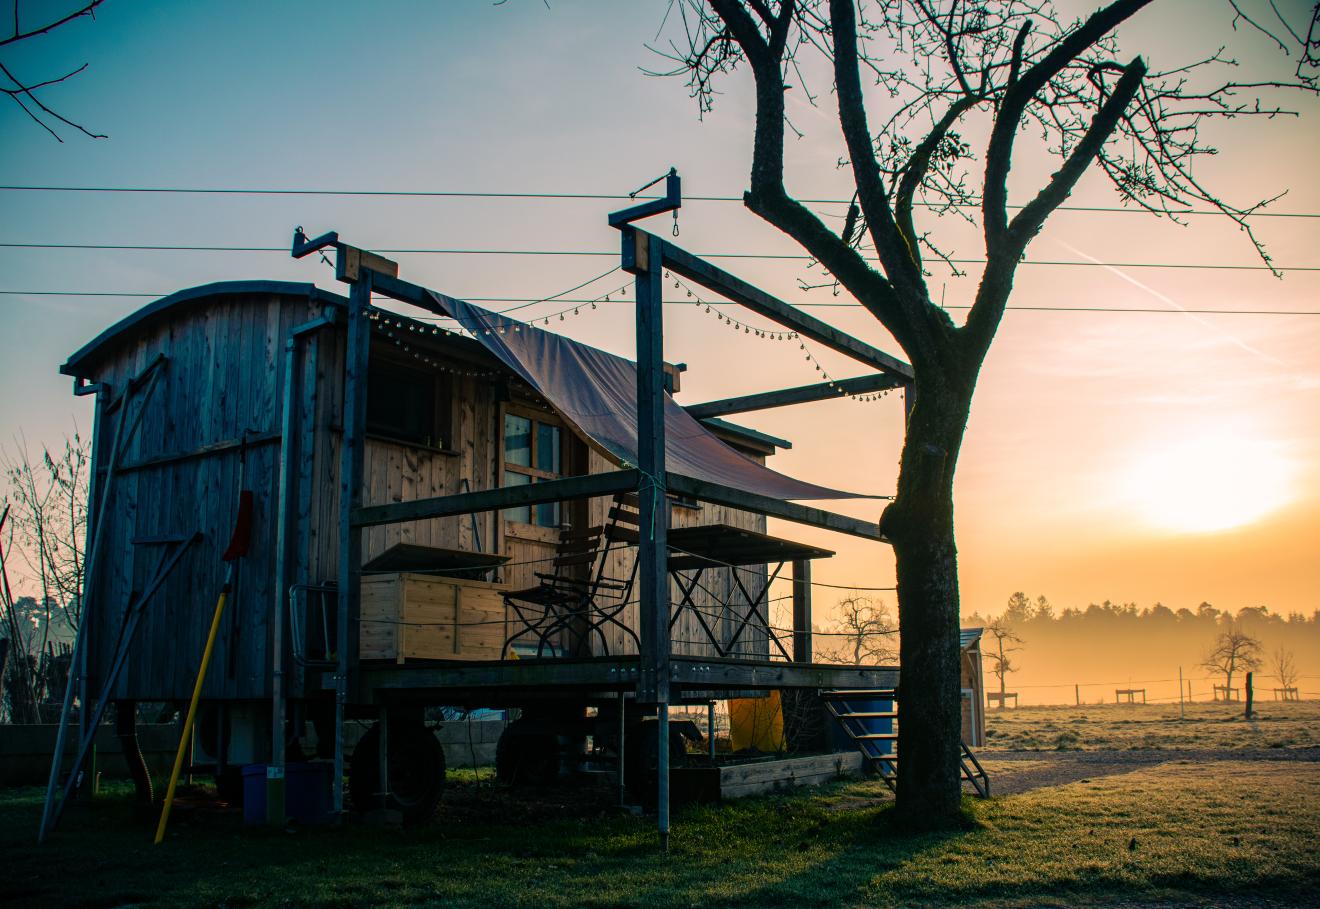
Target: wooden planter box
[
  {"x": 706, "y": 785},
  {"x": 419, "y": 616}
]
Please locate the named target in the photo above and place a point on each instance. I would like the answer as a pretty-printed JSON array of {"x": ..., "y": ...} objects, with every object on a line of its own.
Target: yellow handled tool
[{"x": 238, "y": 546}]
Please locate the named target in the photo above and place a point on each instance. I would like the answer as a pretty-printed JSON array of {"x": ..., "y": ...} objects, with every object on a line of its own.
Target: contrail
[{"x": 1172, "y": 303}]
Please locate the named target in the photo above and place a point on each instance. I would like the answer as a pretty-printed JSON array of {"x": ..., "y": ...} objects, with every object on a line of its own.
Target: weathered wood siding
[
  {"x": 222, "y": 378},
  {"x": 183, "y": 471},
  {"x": 399, "y": 472}
]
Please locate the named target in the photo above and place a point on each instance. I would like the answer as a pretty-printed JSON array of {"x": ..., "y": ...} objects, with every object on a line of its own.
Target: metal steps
[{"x": 880, "y": 749}]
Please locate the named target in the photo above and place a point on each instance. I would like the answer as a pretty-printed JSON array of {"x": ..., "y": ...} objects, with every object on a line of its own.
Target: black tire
[
  {"x": 416, "y": 767},
  {"x": 526, "y": 756}
]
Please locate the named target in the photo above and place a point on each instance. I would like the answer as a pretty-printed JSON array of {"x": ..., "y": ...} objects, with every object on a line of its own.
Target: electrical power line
[
  {"x": 586, "y": 300},
  {"x": 797, "y": 257},
  {"x": 564, "y": 196}
]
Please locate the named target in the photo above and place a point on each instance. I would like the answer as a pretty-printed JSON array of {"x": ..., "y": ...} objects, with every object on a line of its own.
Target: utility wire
[
  {"x": 610, "y": 197},
  {"x": 585, "y": 300},
  {"x": 793, "y": 257}
]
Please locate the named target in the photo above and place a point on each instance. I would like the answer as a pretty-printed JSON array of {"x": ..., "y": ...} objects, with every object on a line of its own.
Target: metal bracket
[
  {"x": 349, "y": 260},
  {"x": 304, "y": 247},
  {"x": 673, "y": 199}
]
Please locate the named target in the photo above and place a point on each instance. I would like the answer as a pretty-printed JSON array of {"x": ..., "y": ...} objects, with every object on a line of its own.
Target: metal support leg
[
  {"x": 383, "y": 756},
  {"x": 662, "y": 771},
  {"x": 710, "y": 729},
  {"x": 623, "y": 793}
]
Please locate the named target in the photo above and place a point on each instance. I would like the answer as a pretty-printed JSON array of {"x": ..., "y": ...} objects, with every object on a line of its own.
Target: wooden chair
[{"x": 581, "y": 592}]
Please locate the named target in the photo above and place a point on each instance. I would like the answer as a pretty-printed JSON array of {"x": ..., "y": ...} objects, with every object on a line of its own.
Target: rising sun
[{"x": 1207, "y": 483}]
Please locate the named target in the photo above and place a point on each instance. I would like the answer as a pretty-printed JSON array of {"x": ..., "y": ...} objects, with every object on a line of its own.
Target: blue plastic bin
[{"x": 306, "y": 792}]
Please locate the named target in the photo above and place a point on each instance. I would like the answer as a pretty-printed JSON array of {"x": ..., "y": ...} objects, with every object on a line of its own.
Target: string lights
[
  {"x": 398, "y": 328},
  {"x": 746, "y": 329}
]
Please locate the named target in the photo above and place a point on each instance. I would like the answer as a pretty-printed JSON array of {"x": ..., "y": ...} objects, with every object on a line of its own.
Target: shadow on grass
[{"x": 790, "y": 850}]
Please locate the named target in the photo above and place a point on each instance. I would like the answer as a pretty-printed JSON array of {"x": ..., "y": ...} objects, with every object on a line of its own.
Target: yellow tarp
[{"x": 756, "y": 723}]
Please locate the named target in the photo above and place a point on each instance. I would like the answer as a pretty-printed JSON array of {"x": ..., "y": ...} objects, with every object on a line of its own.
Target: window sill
[
  {"x": 530, "y": 533},
  {"x": 406, "y": 443}
]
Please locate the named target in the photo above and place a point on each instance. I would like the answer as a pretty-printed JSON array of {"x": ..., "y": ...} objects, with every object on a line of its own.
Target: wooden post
[
  {"x": 350, "y": 497},
  {"x": 1181, "y": 713},
  {"x": 643, "y": 256},
  {"x": 1077, "y": 694},
  {"x": 802, "y": 611},
  {"x": 1250, "y": 695}
]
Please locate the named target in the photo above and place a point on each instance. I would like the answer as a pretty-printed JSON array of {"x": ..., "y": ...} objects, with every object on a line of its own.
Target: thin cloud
[{"x": 1172, "y": 303}]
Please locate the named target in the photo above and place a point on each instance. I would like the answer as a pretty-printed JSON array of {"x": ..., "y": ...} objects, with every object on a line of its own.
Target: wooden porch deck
[{"x": 551, "y": 677}]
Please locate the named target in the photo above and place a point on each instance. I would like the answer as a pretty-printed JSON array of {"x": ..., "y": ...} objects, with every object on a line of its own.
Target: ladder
[{"x": 875, "y": 733}]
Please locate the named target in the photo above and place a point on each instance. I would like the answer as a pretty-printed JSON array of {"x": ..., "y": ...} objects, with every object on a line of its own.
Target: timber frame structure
[{"x": 653, "y": 676}]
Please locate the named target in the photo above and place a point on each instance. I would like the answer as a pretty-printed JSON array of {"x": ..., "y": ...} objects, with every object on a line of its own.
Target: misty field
[
  {"x": 1227, "y": 833},
  {"x": 1276, "y": 724}
]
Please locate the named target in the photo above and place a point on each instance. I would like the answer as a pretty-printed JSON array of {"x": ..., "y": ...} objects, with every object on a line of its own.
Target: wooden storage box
[{"x": 419, "y": 616}]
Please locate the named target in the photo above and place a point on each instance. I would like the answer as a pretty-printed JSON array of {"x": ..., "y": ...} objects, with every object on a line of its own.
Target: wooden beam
[
  {"x": 653, "y": 577},
  {"x": 581, "y": 487},
  {"x": 352, "y": 448},
  {"x": 685, "y": 264},
  {"x": 772, "y": 507},
  {"x": 801, "y": 610},
  {"x": 405, "y": 292},
  {"x": 614, "y": 674},
  {"x": 733, "y": 674},
  {"x": 799, "y": 394}
]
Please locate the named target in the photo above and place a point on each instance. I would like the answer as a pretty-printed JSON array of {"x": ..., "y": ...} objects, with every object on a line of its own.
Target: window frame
[
  {"x": 441, "y": 418},
  {"x": 535, "y": 416}
]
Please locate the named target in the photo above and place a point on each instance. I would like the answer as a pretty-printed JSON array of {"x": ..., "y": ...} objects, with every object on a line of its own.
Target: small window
[
  {"x": 407, "y": 405},
  {"x": 533, "y": 453}
]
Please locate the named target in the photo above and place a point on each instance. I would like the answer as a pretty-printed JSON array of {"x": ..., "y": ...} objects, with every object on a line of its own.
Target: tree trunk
[{"x": 919, "y": 524}]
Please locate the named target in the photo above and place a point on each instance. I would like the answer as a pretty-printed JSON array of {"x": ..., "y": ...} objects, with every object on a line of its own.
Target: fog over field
[{"x": 1106, "y": 646}]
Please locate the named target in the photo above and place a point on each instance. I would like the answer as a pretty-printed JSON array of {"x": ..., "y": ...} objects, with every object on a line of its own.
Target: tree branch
[
  {"x": 999, "y": 151},
  {"x": 20, "y": 36}
]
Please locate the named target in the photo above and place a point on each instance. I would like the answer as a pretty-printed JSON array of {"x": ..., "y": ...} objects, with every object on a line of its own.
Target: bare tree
[
  {"x": 49, "y": 523},
  {"x": 24, "y": 92},
  {"x": 942, "y": 71},
  {"x": 1285, "y": 667},
  {"x": 1234, "y": 651},
  {"x": 864, "y": 633},
  {"x": 1001, "y": 661}
]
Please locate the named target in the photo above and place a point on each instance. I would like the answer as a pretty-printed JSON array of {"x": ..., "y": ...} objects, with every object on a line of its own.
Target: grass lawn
[
  {"x": 1153, "y": 726},
  {"x": 1222, "y": 833}
]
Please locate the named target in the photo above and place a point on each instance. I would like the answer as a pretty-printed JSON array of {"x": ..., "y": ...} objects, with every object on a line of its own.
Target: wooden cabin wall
[
  {"x": 687, "y": 636},
  {"x": 399, "y": 472},
  {"x": 223, "y": 377}
]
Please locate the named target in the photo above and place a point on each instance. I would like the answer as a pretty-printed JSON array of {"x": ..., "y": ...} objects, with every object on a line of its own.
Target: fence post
[
  {"x": 1181, "y": 715},
  {"x": 1250, "y": 695}
]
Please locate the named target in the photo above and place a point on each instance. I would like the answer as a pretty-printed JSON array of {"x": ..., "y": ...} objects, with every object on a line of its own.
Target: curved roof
[
  {"x": 167, "y": 306},
  {"x": 160, "y": 308}
]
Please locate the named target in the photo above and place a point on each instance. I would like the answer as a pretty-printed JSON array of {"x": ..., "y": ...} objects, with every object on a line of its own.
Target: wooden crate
[{"x": 418, "y": 616}]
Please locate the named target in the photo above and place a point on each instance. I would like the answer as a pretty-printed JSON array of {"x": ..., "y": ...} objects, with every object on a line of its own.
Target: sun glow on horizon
[{"x": 1208, "y": 483}]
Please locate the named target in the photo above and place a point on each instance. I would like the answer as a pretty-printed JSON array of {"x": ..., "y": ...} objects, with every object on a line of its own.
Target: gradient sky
[{"x": 1144, "y": 457}]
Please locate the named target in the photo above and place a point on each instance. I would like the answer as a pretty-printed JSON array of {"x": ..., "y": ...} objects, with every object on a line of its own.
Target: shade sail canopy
[{"x": 597, "y": 392}]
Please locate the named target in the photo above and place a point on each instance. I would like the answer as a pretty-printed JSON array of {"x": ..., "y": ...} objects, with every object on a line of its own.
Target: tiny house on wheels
[{"x": 457, "y": 509}]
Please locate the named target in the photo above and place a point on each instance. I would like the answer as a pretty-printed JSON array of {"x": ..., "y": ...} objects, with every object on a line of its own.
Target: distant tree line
[
  {"x": 1024, "y": 613},
  {"x": 1106, "y": 642}
]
